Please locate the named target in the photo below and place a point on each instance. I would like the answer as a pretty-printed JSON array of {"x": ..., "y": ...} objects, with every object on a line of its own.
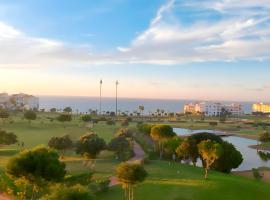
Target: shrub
[
  {"x": 99, "y": 186},
  {"x": 256, "y": 174},
  {"x": 76, "y": 192},
  {"x": 110, "y": 122}
]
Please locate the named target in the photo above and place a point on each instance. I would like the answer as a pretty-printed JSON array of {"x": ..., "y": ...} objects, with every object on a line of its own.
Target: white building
[
  {"x": 25, "y": 101},
  {"x": 4, "y": 98},
  {"x": 213, "y": 108}
]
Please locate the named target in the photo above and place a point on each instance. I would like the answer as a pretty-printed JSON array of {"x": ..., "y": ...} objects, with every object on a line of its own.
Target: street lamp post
[
  {"x": 116, "y": 84},
  {"x": 100, "y": 86}
]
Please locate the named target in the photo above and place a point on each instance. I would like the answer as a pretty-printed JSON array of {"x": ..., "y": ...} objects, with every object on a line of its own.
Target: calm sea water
[{"x": 83, "y": 104}]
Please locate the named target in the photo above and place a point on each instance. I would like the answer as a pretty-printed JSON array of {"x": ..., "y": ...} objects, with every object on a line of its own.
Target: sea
[{"x": 83, "y": 104}]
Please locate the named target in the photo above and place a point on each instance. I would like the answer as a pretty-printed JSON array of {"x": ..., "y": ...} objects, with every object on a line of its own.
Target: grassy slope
[{"x": 164, "y": 183}]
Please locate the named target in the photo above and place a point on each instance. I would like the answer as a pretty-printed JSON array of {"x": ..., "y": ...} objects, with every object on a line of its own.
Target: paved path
[
  {"x": 3, "y": 197},
  {"x": 138, "y": 156}
]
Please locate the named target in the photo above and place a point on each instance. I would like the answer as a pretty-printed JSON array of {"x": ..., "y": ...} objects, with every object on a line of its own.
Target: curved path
[{"x": 138, "y": 156}]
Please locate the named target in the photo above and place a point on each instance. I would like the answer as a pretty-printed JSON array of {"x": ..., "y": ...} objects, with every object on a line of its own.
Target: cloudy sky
[{"x": 178, "y": 49}]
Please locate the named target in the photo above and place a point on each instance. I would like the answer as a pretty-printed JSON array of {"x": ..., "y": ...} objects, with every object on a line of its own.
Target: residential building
[
  {"x": 261, "y": 107},
  {"x": 234, "y": 109},
  {"x": 25, "y": 101},
  {"x": 4, "y": 98},
  {"x": 213, "y": 108}
]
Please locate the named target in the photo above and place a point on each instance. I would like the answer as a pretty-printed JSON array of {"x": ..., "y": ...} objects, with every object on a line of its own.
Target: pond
[{"x": 250, "y": 157}]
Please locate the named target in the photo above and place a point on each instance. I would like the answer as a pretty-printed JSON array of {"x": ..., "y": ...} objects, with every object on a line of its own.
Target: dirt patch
[{"x": 249, "y": 174}]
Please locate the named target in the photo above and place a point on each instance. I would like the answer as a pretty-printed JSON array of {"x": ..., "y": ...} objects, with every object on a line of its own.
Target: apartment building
[
  {"x": 21, "y": 101},
  {"x": 213, "y": 108},
  {"x": 261, "y": 107}
]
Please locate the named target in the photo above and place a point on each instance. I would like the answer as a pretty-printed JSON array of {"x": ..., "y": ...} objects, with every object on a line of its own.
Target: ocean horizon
[{"x": 84, "y": 103}]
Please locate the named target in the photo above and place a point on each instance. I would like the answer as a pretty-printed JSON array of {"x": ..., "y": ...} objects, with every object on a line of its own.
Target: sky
[{"x": 166, "y": 49}]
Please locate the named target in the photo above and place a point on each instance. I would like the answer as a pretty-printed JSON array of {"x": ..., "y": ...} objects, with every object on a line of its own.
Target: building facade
[
  {"x": 213, "y": 108},
  {"x": 261, "y": 107},
  {"x": 19, "y": 101}
]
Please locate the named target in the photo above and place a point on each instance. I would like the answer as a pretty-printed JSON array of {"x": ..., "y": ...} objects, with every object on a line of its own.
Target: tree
[
  {"x": 188, "y": 150},
  {"x": 145, "y": 128},
  {"x": 67, "y": 110},
  {"x": 170, "y": 146},
  {"x": 4, "y": 114},
  {"x": 141, "y": 108},
  {"x": 30, "y": 115},
  {"x": 64, "y": 118},
  {"x": 199, "y": 137},
  {"x": 7, "y": 138},
  {"x": 122, "y": 147},
  {"x": 76, "y": 192},
  {"x": 36, "y": 166},
  {"x": 53, "y": 110},
  {"x": 89, "y": 146},
  {"x": 265, "y": 137},
  {"x": 161, "y": 133},
  {"x": 223, "y": 115},
  {"x": 61, "y": 143},
  {"x": 230, "y": 159},
  {"x": 86, "y": 118},
  {"x": 210, "y": 151},
  {"x": 129, "y": 174}
]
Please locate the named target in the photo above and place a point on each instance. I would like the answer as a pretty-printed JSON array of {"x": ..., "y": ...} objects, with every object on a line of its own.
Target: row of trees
[{"x": 213, "y": 152}]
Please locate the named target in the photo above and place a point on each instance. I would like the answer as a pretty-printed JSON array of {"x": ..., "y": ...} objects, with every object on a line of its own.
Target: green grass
[{"x": 164, "y": 183}]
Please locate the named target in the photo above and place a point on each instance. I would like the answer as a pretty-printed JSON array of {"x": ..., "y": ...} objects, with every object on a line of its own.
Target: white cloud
[{"x": 231, "y": 36}]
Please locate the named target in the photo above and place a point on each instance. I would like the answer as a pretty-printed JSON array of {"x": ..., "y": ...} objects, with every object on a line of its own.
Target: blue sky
[{"x": 212, "y": 50}]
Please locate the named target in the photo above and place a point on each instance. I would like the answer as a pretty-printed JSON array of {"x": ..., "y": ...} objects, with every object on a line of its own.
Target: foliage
[
  {"x": 67, "y": 110},
  {"x": 265, "y": 156},
  {"x": 61, "y": 143},
  {"x": 110, "y": 122},
  {"x": 213, "y": 123},
  {"x": 210, "y": 151},
  {"x": 170, "y": 146},
  {"x": 188, "y": 150},
  {"x": 144, "y": 128},
  {"x": 122, "y": 147},
  {"x": 86, "y": 118},
  {"x": 64, "y": 118},
  {"x": 62, "y": 192},
  {"x": 37, "y": 163},
  {"x": 7, "y": 138},
  {"x": 125, "y": 123},
  {"x": 230, "y": 159},
  {"x": 30, "y": 115},
  {"x": 53, "y": 110},
  {"x": 256, "y": 174},
  {"x": 128, "y": 175},
  {"x": 99, "y": 186},
  {"x": 161, "y": 133},
  {"x": 4, "y": 114},
  {"x": 90, "y": 145},
  {"x": 265, "y": 137},
  {"x": 82, "y": 178},
  {"x": 126, "y": 132},
  {"x": 199, "y": 137}
]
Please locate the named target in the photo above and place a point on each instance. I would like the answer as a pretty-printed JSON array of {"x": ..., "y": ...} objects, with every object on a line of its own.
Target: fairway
[{"x": 182, "y": 182}]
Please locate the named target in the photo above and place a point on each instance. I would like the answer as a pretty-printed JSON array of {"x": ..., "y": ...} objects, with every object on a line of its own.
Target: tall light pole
[
  {"x": 116, "y": 84},
  {"x": 100, "y": 86}
]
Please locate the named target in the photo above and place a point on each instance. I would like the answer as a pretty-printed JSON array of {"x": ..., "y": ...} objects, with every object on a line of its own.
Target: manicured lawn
[{"x": 165, "y": 183}]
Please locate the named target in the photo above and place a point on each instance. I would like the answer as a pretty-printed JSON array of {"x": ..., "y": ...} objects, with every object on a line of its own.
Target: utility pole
[
  {"x": 116, "y": 84},
  {"x": 100, "y": 86}
]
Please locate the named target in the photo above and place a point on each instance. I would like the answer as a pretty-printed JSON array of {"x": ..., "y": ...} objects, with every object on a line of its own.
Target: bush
[
  {"x": 83, "y": 179},
  {"x": 265, "y": 137},
  {"x": 86, "y": 118},
  {"x": 61, "y": 192},
  {"x": 256, "y": 174},
  {"x": 144, "y": 128},
  {"x": 110, "y": 122},
  {"x": 125, "y": 123},
  {"x": 99, "y": 186}
]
